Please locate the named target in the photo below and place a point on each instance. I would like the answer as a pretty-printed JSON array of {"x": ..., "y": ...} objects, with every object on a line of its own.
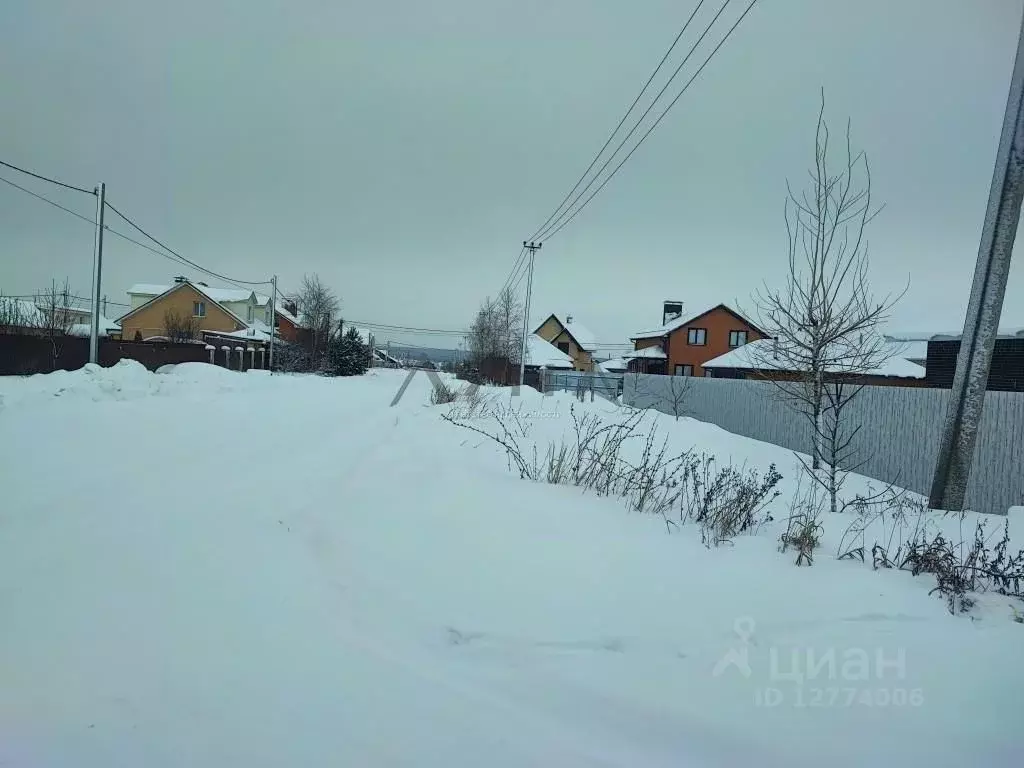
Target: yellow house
[
  {"x": 571, "y": 338},
  {"x": 183, "y": 304}
]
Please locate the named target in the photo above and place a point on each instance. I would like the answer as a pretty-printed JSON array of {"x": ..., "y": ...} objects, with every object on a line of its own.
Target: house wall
[
  {"x": 717, "y": 323},
  {"x": 150, "y": 321},
  {"x": 554, "y": 332},
  {"x": 287, "y": 330},
  {"x": 241, "y": 308},
  {"x": 898, "y": 430}
]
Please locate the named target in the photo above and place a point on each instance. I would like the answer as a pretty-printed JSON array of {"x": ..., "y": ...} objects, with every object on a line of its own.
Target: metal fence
[
  {"x": 898, "y": 437},
  {"x": 607, "y": 385}
]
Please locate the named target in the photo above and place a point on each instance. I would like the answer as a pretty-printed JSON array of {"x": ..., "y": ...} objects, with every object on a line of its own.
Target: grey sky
[{"x": 402, "y": 149}]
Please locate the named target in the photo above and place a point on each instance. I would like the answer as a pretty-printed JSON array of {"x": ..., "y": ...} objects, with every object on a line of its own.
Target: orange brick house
[{"x": 682, "y": 344}]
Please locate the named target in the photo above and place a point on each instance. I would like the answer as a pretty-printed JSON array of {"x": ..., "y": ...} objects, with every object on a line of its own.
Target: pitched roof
[
  {"x": 283, "y": 311},
  {"x": 201, "y": 290},
  {"x": 679, "y": 322},
  {"x": 540, "y": 352},
  {"x": 760, "y": 355},
  {"x": 217, "y": 294},
  {"x": 584, "y": 339}
]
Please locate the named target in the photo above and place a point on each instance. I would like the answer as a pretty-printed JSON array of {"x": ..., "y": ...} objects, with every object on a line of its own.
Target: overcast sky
[{"x": 403, "y": 149}]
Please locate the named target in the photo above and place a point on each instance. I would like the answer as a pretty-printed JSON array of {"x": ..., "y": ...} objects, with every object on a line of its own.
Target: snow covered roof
[
  {"x": 653, "y": 353},
  {"x": 584, "y": 338},
  {"x": 219, "y": 295},
  {"x": 679, "y": 322},
  {"x": 760, "y": 354},
  {"x": 251, "y": 334},
  {"x": 85, "y": 329},
  {"x": 285, "y": 313},
  {"x": 542, "y": 353},
  {"x": 613, "y": 366}
]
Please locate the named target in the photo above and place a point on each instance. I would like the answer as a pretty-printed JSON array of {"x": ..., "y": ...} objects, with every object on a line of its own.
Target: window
[
  {"x": 564, "y": 346},
  {"x": 248, "y": 313},
  {"x": 708, "y": 373},
  {"x": 198, "y": 309},
  {"x": 697, "y": 337},
  {"x": 737, "y": 338},
  {"x": 684, "y": 370}
]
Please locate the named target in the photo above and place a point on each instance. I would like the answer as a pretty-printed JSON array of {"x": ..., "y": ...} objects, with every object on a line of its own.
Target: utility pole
[
  {"x": 532, "y": 248},
  {"x": 273, "y": 322},
  {"x": 981, "y": 326},
  {"x": 97, "y": 275},
  {"x": 105, "y": 307}
]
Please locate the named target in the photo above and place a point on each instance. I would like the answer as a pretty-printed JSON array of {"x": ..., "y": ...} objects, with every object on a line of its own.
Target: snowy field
[{"x": 206, "y": 568}]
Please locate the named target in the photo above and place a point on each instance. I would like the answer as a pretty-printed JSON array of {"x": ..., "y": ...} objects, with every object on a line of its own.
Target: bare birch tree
[
  {"x": 825, "y": 320},
  {"x": 318, "y": 306}
]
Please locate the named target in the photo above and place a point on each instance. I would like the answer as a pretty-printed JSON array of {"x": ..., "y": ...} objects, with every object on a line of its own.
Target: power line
[
  {"x": 557, "y": 229},
  {"x": 387, "y": 326},
  {"x": 515, "y": 268},
  {"x": 629, "y": 111},
  {"x": 46, "y": 200},
  {"x": 47, "y": 178},
  {"x": 182, "y": 258},
  {"x": 175, "y": 257}
]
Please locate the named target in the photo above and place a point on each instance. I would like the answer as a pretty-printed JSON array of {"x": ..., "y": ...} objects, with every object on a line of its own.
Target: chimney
[
  {"x": 568, "y": 319},
  {"x": 202, "y": 284},
  {"x": 181, "y": 279},
  {"x": 671, "y": 310}
]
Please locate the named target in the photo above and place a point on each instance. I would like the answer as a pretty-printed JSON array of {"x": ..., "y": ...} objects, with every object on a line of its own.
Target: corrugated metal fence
[{"x": 899, "y": 432}]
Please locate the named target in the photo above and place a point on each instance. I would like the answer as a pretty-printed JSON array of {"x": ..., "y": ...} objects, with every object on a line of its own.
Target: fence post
[
  {"x": 252, "y": 357},
  {"x": 263, "y": 357},
  {"x": 213, "y": 351},
  {"x": 227, "y": 356},
  {"x": 241, "y": 355}
]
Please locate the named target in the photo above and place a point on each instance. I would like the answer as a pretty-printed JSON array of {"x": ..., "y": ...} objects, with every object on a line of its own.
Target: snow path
[{"x": 209, "y": 569}]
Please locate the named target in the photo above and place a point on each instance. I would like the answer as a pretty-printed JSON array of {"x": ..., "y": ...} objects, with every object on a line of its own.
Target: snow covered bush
[
  {"x": 441, "y": 393},
  {"x": 617, "y": 458}
]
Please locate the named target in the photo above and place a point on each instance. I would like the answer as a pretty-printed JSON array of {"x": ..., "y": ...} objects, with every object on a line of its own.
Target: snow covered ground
[{"x": 208, "y": 568}]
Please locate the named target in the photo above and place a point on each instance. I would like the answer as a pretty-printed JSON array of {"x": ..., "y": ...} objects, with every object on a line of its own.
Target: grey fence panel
[
  {"x": 899, "y": 429},
  {"x": 608, "y": 385}
]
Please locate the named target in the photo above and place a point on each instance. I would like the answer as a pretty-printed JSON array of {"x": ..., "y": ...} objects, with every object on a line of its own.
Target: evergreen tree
[{"x": 349, "y": 356}]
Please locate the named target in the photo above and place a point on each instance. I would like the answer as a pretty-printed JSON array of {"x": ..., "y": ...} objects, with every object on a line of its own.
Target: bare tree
[
  {"x": 495, "y": 339},
  {"x": 318, "y": 307},
  {"x": 825, "y": 320},
  {"x": 15, "y": 316},
  {"x": 178, "y": 327},
  {"x": 509, "y": 317},
  {"x": 54, "y": 320}
]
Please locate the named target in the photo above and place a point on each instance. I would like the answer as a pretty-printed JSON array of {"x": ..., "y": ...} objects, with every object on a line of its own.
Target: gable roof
[
  {"x": 283, "y": 311},
  {"x": 584, "y": 339},
  {"x": 758, "y": 355},
  {"x": 219, "y": 295},
  {"x": 679, "y": 322},
  {"x": 201, "y": 290},
  {"x": 541, "y": 352}
]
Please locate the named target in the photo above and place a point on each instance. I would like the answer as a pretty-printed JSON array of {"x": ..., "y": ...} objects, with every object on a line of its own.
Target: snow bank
[{"x": 380, "y": 590}]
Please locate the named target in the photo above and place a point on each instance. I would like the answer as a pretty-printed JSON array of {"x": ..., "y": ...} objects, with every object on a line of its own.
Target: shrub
[{"x": 441, "y": 393}]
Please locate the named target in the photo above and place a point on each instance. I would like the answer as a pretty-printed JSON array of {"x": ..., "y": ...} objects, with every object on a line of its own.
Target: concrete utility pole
[
  {"x": 97, "y": 275},
  {"x": 273, "y": 322},
  {"x": 532, "y": 248},
  {"x": 981, "y": 326}
]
